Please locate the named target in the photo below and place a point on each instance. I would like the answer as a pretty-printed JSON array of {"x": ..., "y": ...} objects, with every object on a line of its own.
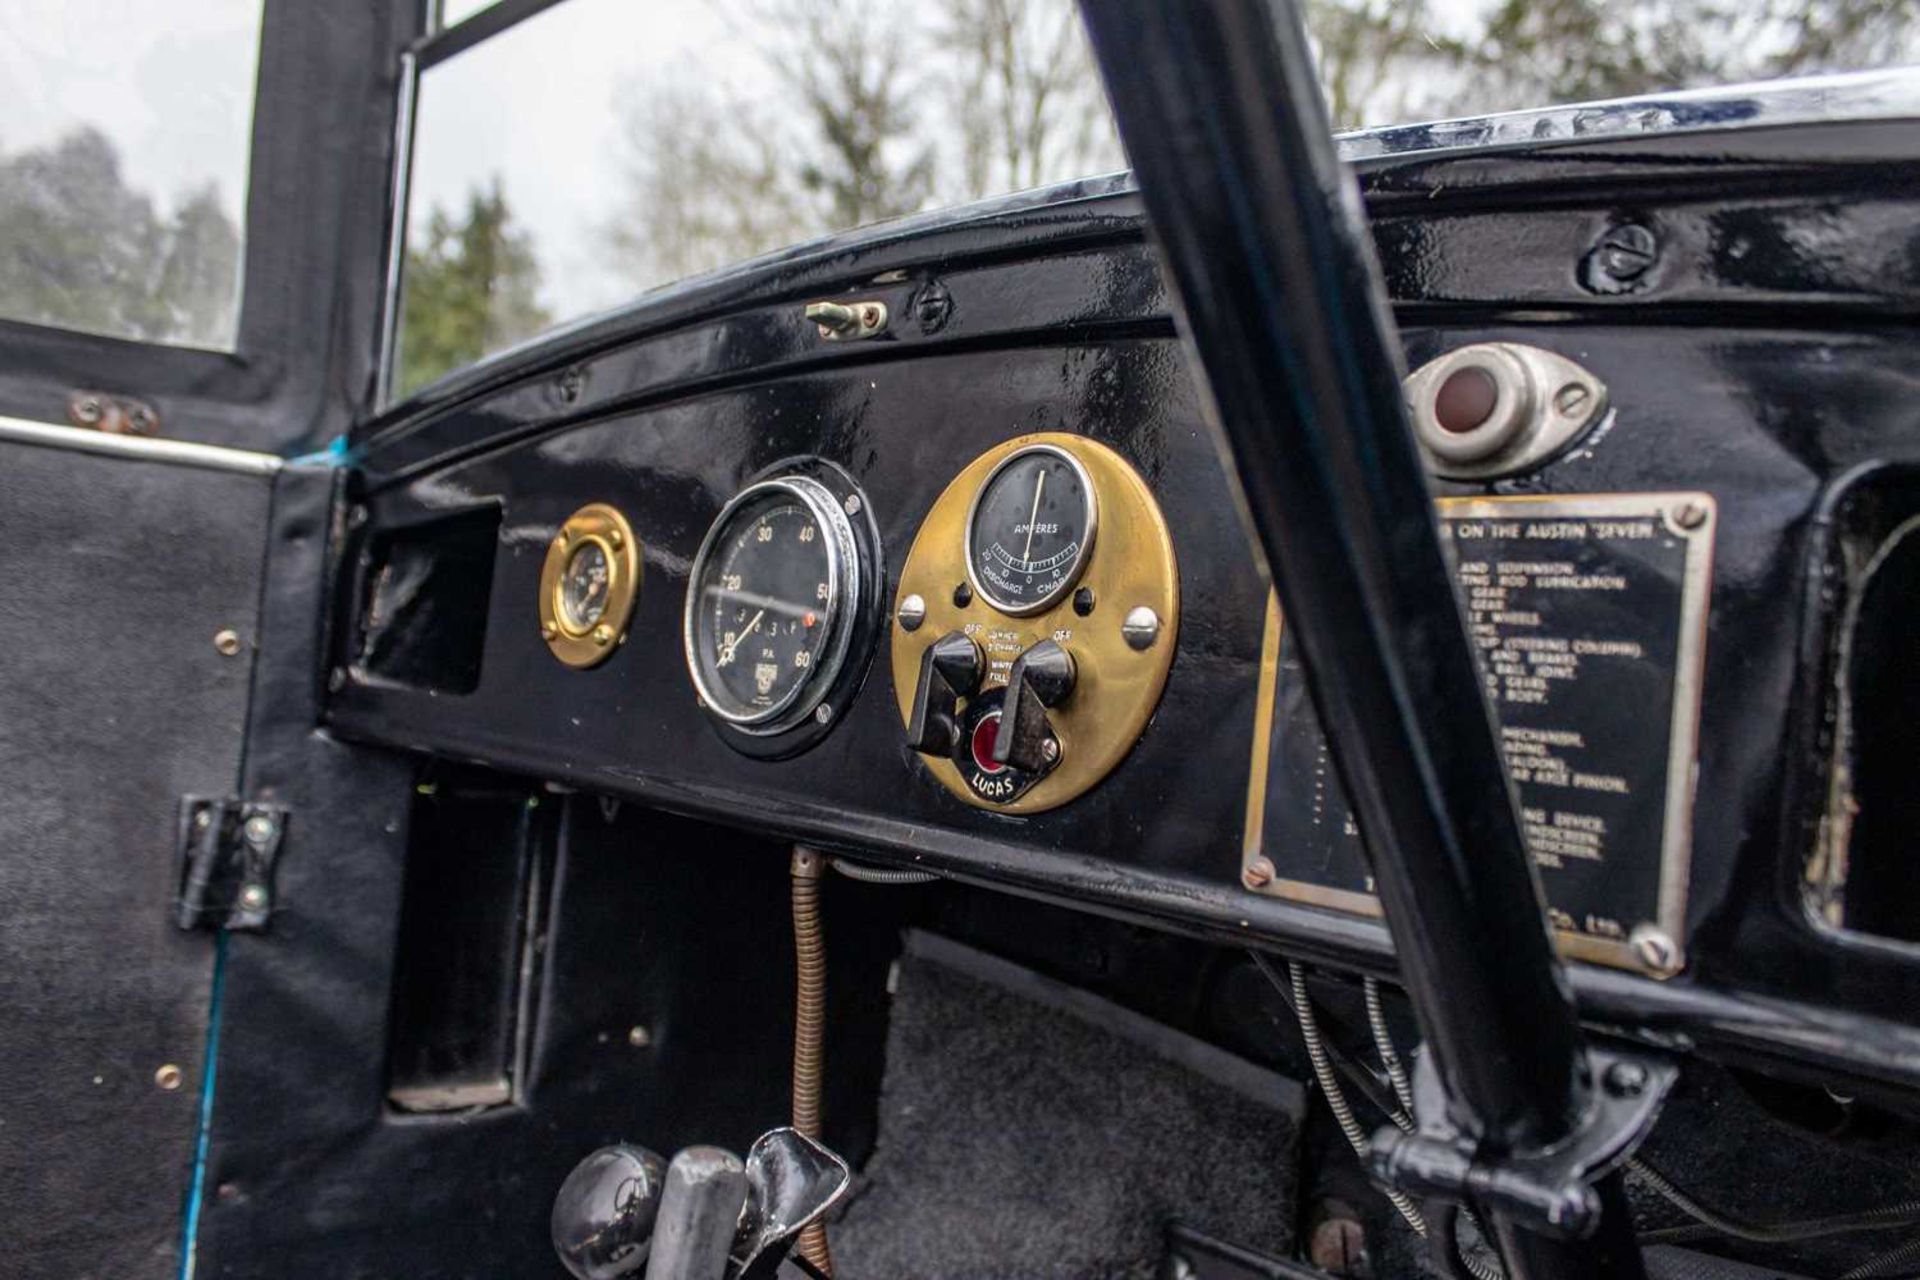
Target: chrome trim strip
[
  {"x": 1852, "y": 95},
  {"x": 179, "y": 452},
  {"x": 400, "y": 192}
]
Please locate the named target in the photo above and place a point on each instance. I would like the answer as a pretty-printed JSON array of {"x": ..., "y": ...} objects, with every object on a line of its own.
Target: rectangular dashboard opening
[
  {"x": 1865, "y": 876},
  {"x": 423, "y": 601},
  {"x": 473, "y": 920}
]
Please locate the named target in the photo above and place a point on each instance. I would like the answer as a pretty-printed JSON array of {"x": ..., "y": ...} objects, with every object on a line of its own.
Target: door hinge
[{"x": 227, "y": 851}]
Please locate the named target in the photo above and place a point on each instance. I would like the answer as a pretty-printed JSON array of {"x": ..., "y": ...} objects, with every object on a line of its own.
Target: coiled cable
[
  {"x": 867, "y": 873},
  {"x": 1876, "y": 1265},
  {"x": 1336, "y": 1096},
  {"x": 809, "y": 1024},
  {"x": 1904, "y": 1213},
  {"x": 1452, "y": 1253},
  {"x": 1706, "y": 1219},
  {"x": 1383, "y": 1045}
]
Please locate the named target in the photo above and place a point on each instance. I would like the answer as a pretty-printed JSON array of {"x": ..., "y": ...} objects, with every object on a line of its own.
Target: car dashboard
[{"x": 918, "y": 545}]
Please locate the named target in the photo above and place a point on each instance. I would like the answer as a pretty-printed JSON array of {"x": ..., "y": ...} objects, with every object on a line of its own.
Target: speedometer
[
  {"x": 1030, "y": 529},
  {"x": 769, "y": 613}
]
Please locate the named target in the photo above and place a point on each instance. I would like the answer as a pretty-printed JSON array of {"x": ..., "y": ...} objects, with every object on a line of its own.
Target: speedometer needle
[
  {"x": 726, "y": 650},
  {"x": 1033, "y": 517}
]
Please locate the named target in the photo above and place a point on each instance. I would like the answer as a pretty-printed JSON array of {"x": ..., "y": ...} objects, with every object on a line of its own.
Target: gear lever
[
  {"x": 603, "y": 1217},
  {"x": 623, "y": 1211}
]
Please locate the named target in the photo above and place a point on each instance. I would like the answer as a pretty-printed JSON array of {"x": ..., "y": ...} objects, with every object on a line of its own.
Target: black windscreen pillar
[{"x": 1263, "y": 237}]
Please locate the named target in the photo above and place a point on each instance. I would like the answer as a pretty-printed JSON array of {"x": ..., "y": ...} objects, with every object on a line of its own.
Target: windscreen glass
[
  {"x": 123, "y": 166},
  {"x": 606, "y": 147}
]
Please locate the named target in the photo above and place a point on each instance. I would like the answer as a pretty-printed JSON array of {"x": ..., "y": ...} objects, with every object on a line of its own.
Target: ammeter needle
[{"x": 1034, "y": 517}]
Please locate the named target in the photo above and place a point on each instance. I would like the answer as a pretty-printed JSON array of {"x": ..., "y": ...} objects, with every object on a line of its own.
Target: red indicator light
[{"x": 983, "y": 734}]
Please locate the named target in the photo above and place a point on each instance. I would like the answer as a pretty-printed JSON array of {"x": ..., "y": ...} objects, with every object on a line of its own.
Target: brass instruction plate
[
  {"x": 1588, "y": 613},
  {"x": 588, "y": 584}
]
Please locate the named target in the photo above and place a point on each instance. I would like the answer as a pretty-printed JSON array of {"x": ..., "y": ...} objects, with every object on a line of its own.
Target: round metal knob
[{"x": 603, "y": 1217}]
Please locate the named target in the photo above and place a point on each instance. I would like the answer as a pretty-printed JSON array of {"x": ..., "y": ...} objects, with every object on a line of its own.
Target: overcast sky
[
  {"x": 170, "y": 83},
  {"x": 541, "y": 107}
]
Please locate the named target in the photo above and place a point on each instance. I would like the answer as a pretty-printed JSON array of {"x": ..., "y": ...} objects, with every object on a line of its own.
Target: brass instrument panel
[{"x": 1035, "y": 623}]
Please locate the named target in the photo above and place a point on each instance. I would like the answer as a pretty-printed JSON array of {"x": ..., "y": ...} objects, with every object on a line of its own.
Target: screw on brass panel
[
  {"x": 1690, "y": 515},
  {"x": 1258, "y": 873},
  {"x": 226, "y": 641},
  {"x": 603, "y": 634},
  {"x": 1140, "y": 628},
  {"x": 169, "y": 1077},
  {"x": 1655, "y": 949}
]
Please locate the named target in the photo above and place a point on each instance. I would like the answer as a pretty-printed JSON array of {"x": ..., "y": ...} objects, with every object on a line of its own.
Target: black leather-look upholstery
[{"x": 115, "y": 575}]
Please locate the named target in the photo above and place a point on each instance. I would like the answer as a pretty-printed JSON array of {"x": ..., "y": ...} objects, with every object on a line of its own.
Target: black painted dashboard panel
[
  {"x": 1769, "y": 351},
  {"x": 901, "y": 430}
]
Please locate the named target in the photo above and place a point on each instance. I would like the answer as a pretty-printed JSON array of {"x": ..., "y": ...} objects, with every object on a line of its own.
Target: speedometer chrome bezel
[
  {"x": 843, "y": 585},
  {"x": 1067, "y": 583}
]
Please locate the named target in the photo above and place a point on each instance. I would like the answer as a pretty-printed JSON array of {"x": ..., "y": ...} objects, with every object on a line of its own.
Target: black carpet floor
[{"x": 1029, "y": 1131}]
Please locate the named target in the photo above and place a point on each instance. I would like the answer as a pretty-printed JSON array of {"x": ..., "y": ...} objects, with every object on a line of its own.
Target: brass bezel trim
[
  {"x": 1117, "y": 686},
  {"x": 1676, "y": 851},
  {"x": 583, "y": 647}
]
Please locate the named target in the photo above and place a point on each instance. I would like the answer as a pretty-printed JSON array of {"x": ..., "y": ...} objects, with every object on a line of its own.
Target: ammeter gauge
[{"x": 1029, "y": 530}]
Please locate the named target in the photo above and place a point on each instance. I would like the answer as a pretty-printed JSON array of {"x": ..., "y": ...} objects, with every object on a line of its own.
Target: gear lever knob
[{"x": 604, "y": 1216}]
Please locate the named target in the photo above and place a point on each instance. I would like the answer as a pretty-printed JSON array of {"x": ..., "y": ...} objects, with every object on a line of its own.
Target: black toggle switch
[
  {"x": 1042, "y": 677},
  {"x": 950, "y": 670}
]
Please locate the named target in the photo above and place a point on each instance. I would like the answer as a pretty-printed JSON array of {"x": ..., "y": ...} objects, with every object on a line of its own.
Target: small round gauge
[
  {"x": 583, "y": 586},
  {"x": 1030, "y": 529},
  {"x": 768, "y": 623},
  {"x": 588, "y": 585}
]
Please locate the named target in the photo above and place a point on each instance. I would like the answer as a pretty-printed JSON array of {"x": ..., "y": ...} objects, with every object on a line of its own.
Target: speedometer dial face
[
  {"x": 763, "y": 617},
  {"x": 1030, "y": 530}
]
